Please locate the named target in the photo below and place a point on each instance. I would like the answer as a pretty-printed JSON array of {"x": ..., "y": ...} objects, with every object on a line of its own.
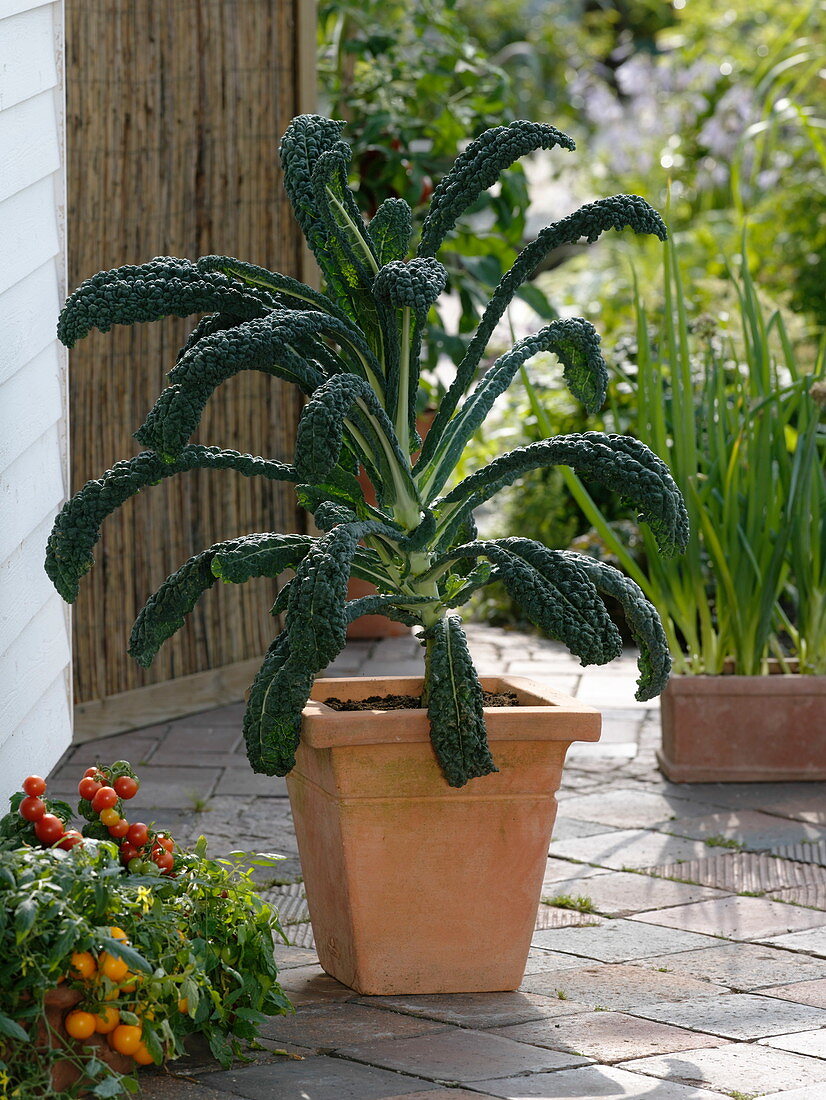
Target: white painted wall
[{"x": 35, "y": 636}]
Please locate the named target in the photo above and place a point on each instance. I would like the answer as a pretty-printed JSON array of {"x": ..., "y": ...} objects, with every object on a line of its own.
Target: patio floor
[{"x": 699, "y": 971}]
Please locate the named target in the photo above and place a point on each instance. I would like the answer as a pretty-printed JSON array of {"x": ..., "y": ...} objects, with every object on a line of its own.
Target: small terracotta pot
[
  {"x": 414, "y": 886},
  {"x": 742, "y": 729},
  {"x": 57, "y": 1003}
]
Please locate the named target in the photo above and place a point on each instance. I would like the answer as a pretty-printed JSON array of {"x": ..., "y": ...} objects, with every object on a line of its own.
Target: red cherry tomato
[
  {"x": 34, "y": 785},
  {"x": 138, "y": 834},
  {"x": 70, "y": 838},
  {"x": 49, "y": 829},
  {"x": 105, "y": 798},
  {"x": 127, "y": 852},
  {"x": 32, "y": 809},
  {"x": 126, "y": 786},
  {"x": 164, "y": 861},
  {"x": 119, "y": 829},
  {"x": 166, "y": 842},
  {"x": 88, "y": 787}
]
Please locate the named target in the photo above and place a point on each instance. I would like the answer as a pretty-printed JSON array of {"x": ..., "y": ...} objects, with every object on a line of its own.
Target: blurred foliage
[{"x": 413, "y": 83}]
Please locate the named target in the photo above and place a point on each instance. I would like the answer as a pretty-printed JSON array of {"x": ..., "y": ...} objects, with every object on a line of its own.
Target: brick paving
[{"x": 693, "y": 975}]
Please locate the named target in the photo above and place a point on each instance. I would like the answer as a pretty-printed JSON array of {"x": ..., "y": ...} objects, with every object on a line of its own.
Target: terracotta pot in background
[
  {"x": 739, "y": 729},
  {"x": 414, "y": 886}
]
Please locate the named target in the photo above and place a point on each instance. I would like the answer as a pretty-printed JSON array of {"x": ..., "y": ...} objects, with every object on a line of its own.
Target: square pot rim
[
  {"x": 774, "y": 684},
  {"x": 560, "y": 717}
]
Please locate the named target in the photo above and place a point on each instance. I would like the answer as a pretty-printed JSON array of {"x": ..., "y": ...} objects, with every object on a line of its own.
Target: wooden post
[{"x": 174, "y": 116}]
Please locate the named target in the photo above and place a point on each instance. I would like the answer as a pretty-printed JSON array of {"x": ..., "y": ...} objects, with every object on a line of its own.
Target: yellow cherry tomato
[
  {"x": 107, "y": 1019},
  {"x": 80, "y": 1024},
  {"x": 83, "y": 965},
  {"x": 183, "y": 1005},
  {"x": 131, "y": 982},
  {"x": 109, "y": 816},
  {"x": 114, "y": 969},
  {"x": 142, "y": 1055},
  {"x": 125, "y": 1039},
  {"x": 118, "y": 934}
]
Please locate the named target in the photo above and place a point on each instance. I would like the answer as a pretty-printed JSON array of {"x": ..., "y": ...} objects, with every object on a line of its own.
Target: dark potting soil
[{"x": 413, "y": 702}]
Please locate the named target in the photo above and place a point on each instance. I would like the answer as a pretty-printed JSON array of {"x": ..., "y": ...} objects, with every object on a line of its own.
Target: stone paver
[
  {"x": 619, "y": 986},
  {"x": 629, "y": 848},
  {"x": 802, "y": 1042},
  {"x": 813, "y": 940},
  {"x": 745, "y": 1067},
  {"x": 627, "y": 808},
  {"x": 608, "y": 1036},
  {"x": 329, "y": 1028},
  {"x": 463, "y": 1056},
  {"x": 811, "y": 1092},
  {"x": 743, "y": 966},
  {"x": 556, "y": 869},
  {"x": 750, "y": 828},
  {"x": 479, "y": 1010},
  {"x": 592, "y": 1083},
  {"x": 306, "y": 985},
  {"x": 737, "y": 1016},
  {"x": 736, "y": 918},
  {"x": 320, "y": 1078},
  {"x": 621, "y": 893},
  {"x": 163, "y": 1086},
  {"x": 804, "y": 993},
  {"x": 544, "y": 961},
  {"x": 569, "y": 828},
  {"x": 618, "y": 940}
]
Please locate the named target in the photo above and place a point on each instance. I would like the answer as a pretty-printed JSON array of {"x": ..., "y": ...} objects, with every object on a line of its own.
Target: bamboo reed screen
[{"x": 174, "y": 115}]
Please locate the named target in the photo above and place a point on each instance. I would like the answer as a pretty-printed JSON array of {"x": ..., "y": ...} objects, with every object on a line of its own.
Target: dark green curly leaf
[
  {"x": 306, "y": 138},
  {"x": 620, "y": 463},
  {"x": 616, "y": 212},
  {"x": 454, "y": 705},
  {"x": 77, "y": 528},
  {"x": 285, "y": 291},
  {"x": 163, "y": 287},
  {"x": 654, "y": 661},
  {"x": 576, "y": 344},
  {"x": 390, "y": 230},
  {"x": 272, "y": 720},
  {"x": 478, "y": 168}
]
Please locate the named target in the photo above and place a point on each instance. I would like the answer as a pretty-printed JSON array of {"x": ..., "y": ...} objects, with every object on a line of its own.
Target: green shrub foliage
[{"x": 354, "y": 351}]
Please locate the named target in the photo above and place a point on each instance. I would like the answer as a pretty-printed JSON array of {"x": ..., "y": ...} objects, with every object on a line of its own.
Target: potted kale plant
[{"x": 383, "y": 815}]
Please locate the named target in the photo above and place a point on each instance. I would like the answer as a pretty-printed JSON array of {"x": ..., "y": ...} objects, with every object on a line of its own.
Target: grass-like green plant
[
  {"x": 354, "y": 352},
  {"x": 739, "y": 422}
]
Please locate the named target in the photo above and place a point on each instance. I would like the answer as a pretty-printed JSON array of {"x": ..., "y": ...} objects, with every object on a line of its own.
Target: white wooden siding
[{"x": 35, "y": 640}]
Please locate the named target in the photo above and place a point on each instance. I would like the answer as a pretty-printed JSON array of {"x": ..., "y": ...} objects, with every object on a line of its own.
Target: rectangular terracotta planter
[
  {"x": 734, "y": 729},
  {"x": 414, "y": 886}
]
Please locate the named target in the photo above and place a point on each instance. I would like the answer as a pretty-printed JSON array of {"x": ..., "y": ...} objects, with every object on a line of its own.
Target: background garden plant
[{"x": 355, "y": 353}]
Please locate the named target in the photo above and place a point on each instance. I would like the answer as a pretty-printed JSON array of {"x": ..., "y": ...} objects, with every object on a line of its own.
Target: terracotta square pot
[
  {"x": 736, "y": 729},
  {"x": 414, "y": 886}
]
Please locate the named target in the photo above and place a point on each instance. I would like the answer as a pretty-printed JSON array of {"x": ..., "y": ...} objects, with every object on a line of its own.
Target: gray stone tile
[
  {"x": 619, "y": 940},
  {"x": 810, "y": 1092},
  {"x": 608, "y": 1036},
  {"x": 163, "y": 787},
  {"x": 440, "y": 1094},
  {"x": 812, "y": 1043},
  {"x": 344, "y": 1024},
  {"x": 629, "y": 848},
  {"x": 812, "y": 941},
  {"x": 244, "y": 781},
  {"x": 556, "y": 869},
  {"x": 306, "y": 985},
  {"x": 627, "y": 808},
  {"x": 320, "y": 1078},
  {"x": 743, "y": 872},
  {"x": 195, "y": 739},
  {"x": 621, "y": 893},
  {"x": 288, "y": 958},
  {"x": 752, "y": 829},
  {"x": 478, "y": 1010},
  {"x": 743, "y": 1066},
  {"x": 568, "y": 828},
  {"x": 592, "y": 1083},
  {"x": 583, "y": 752},
  {"x": 156, "y": 1085},
  {"x": 619, "y": 987},
  {"x": 542, "y": 961},
  {"x": 736, "y": 918},
  {"x": 803, "y": 993},
  {"x": 737, "y": 1016},
  {"x": 743, "y": 966},
  {"x": 461, "y": 1055}
]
